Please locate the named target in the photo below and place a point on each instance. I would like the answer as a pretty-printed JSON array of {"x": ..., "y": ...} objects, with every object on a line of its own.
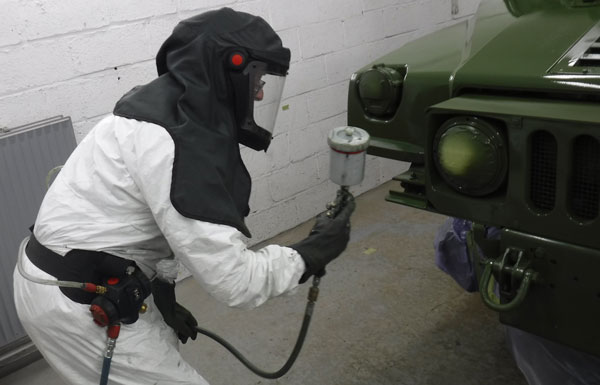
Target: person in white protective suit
[{"x": 162, "y": 178}]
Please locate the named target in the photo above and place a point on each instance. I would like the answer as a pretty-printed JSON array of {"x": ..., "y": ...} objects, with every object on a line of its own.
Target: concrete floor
[{"x": 385, "y": 316}]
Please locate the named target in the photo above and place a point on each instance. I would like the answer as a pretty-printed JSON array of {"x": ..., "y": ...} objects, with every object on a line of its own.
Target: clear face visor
[{"x": 265, "y": 95}]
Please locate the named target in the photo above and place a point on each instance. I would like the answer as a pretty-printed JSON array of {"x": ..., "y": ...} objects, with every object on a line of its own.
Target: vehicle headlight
[
  {"x": 380, "y": 90},
  {"x": 471, "y": 155}
]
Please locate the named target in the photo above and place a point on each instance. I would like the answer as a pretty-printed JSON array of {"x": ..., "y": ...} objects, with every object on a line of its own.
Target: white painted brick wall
[
  {"x": 76, "y": 58},
  {"x": 321, "y": 38},
  {"x": 364, "y": 28}
]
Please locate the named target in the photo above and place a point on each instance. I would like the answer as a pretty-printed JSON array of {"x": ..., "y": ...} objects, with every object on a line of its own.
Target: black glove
[
  {"x": 327, "y": 239},
  {"x": 175, "y": 315}
]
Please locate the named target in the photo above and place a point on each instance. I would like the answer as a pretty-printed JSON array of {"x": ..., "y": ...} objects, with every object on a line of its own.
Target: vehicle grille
[
  {"x": 543, "y": 170},
  {"x": 585, "y": 186},
  {"x": 583, "y": 191}
]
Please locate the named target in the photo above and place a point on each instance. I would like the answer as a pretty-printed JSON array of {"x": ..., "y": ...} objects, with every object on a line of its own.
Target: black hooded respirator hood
[{"x": 220, "y": 81}]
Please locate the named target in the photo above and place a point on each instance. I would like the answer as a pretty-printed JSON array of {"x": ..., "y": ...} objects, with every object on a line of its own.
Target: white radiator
[{"x": 27, "y": 153}]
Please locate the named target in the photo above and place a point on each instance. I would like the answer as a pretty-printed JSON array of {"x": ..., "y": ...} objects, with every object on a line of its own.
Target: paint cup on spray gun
[{"x": 348, "y": 151}]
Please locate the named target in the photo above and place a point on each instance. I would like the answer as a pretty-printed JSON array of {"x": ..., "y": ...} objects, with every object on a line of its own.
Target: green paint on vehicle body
[{"x": 529, "y": 70}]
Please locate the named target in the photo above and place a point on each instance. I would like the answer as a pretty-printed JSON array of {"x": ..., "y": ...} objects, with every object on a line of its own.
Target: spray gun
[{"x": 348, "y": 147}]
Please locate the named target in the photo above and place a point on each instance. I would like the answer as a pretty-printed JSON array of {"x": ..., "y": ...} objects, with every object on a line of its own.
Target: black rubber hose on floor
[{"x": 312, "y": 298}]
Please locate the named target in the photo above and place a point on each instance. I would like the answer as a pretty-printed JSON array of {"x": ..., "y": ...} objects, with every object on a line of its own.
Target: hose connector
[
  {"x": 313, "y": 292},
  {"x": 112, "y": 333},
  {"x": 93, "y": 288}
]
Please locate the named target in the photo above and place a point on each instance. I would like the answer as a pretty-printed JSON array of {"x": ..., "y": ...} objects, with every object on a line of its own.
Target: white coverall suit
[{"x": 112, "y": 195}]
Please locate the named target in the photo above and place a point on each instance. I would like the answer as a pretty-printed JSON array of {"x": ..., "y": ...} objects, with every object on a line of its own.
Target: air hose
[
  {"x": 113, "y": 333},
  {"x": 333, "y": 208},
  {"x": 313, "y": 293},
  {"x": 86, "y": 286}
]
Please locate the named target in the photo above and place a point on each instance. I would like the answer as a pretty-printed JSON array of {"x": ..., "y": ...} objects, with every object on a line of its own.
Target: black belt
[{"x": 77, "y": 265}]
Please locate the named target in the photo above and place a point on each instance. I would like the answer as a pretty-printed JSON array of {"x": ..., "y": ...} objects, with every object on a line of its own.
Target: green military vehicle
[{"x": 499, "y": 117}]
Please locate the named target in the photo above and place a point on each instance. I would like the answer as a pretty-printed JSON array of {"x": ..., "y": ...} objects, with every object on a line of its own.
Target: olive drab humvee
[{"x": 499, "y": 117}]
